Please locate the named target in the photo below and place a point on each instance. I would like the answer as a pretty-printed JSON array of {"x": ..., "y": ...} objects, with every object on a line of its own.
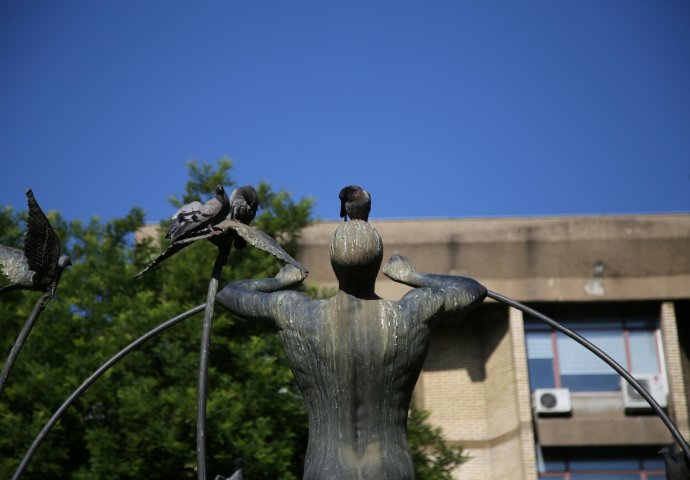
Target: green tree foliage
[
  {"x": 139, "y": 420},
  {"x": 433, "y": 458}
]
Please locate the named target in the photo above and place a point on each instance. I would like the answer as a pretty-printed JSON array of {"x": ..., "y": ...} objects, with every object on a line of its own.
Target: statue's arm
[
  {"x": 458, "y": 292},
  {"x": 261, "y": 299}
]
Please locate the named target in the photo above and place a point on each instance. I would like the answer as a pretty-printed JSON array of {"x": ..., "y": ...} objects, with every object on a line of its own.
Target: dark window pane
[
  {"x": 534, "y": 325},
  {"x": 605, "y": 476},
  {"x": 653, "y": 463},
  {"x": 587, "y": 312},
  {"x": 644, "y": 316},
  {"x": 591, "y": 383},
  {"x": 651, "y": 458},
  {"x": 641, "y": 324},
  {"x": 553, "y": 459},
  {"x": 584, "y": 326},
  {"x": 540, "y": 373},
  {"x": 598, "y": 459}
]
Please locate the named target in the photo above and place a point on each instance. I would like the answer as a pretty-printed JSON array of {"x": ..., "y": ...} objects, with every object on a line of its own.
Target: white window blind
[
  {"x": 643, "y": 352},
  {"x": 577, "y": 360},
  {"x": 539, "y": 345}
]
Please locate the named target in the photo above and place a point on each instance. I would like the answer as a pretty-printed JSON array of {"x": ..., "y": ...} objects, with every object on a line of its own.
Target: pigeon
[
  {"x": 39, "y": 265},
  {"x": 244, "y": 202},
  {"x": 194, "y": 216},
  {"x": 355, "y": 202},
  {"x": 676, "y": 463}
]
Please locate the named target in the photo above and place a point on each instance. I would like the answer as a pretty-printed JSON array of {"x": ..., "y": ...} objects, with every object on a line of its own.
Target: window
[
  {"x": 629, "y": 333},
  {"x": 601, "y": 463}
]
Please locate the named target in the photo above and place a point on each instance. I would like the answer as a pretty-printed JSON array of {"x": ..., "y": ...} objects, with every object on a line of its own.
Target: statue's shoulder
[
  {"x": 424, "y": 297},
  {"x": 285, "y": 298}
]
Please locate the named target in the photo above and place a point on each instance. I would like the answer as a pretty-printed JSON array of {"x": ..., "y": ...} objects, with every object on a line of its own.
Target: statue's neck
[{"x": 362, "y": 290}]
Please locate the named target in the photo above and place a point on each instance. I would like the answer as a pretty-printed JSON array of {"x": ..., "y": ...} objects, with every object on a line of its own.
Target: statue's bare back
[{"x": 355, "y": 357}]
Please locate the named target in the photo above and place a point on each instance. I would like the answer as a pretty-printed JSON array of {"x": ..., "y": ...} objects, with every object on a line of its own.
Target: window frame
[
  {"x": 625, "y": 316},
  {"x": 570, "y": 457}
]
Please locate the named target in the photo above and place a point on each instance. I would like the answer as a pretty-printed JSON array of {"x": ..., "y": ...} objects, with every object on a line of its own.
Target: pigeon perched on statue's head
[
  {"x": 355, "y": 202},
  {"x": 244, "y": 202},
  {"x": 196, "y": 216},
  {"x": 39, "y": 265}
]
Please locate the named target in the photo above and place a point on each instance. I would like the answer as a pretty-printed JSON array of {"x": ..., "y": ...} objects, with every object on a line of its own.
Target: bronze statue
[{"x": 355, "y": 357}]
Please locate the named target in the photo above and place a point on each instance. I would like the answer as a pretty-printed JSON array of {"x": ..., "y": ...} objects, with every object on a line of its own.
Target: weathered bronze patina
[{"x": 355, "y": 357}]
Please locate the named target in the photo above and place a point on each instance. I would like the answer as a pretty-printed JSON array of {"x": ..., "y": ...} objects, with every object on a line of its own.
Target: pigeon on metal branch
[
  {"x": 244, "y": 202},
  {"x": 228, "y": 231},
  {"x": 355, "y": 202},
  {"x": 676, "y": 464},
  {"x": 190, "y": 219},
  {"x": 195, "y": 216},
  {"x": 39, "y": 265}
]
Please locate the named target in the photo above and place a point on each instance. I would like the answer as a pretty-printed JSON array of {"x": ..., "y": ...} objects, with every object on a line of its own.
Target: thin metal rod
[
  {"x": 202, "y": 389},
  {"x": 21, "y": 338},
  {"x": 94, "y": 376},
  {"x": 678, "y": 437}
]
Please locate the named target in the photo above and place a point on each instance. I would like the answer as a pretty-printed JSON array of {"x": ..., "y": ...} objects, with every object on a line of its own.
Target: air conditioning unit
[
  {"x": 552, "y": 401},
  {"x": 652, "y": 382}
]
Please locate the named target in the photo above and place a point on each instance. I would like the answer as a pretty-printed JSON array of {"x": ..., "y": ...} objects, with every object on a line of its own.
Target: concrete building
[{"x": 525, "y": 402}]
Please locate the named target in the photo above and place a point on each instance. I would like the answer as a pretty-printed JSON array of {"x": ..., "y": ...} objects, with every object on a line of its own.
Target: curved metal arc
[
  {"x": 202, "y": 389},
  {"x": 94, "y": 376},
  {"x": 41, "y": 304},
  {"x": 678, "y": 437}
]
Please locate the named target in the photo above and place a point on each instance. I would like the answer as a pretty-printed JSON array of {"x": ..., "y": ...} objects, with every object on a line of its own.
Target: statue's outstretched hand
[
  {"x": 399, "y": 269},
  {"x": 290, "y": 275}
]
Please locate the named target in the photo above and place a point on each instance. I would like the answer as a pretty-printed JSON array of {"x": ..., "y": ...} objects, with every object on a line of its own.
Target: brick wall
[
  {"x": 475, "y": 385},
  {"x": 678, "y": 400}
]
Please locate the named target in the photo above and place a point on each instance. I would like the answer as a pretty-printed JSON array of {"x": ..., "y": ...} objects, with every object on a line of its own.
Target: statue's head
[{"x": 356, "y": 254}]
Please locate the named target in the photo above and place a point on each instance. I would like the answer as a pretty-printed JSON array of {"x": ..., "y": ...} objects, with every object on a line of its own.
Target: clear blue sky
[{"x": 438, "y": 108}]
